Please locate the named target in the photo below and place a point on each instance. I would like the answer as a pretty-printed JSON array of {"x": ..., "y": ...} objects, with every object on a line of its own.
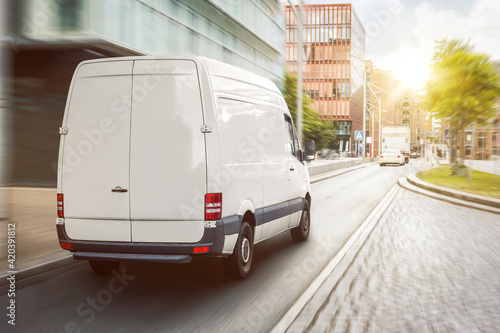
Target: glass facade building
[
  {"x": 49, "y": 38},
  {"x": 333, "y": 79},
  {"x": 247, "y": 34}
]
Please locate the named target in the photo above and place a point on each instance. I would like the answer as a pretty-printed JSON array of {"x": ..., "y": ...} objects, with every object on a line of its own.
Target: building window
[
  {"x": 494, "y": 140},
  {"x": 468, "y": 137},
  {"x": 406, "y": 123},
  {"x": 406, "y": 115},
  {"x": 313, "y": 94},
  {"x": 406, "y": 106},
  {"x": 468, "y": 150},
  {"x": 344, "y": 128},
  {"x": 341, "y": 89},
  {"x": 418, "y": 122},
  {"x": 481, "y": 140}
]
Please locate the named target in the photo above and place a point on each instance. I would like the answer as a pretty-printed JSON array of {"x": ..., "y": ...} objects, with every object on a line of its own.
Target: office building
[{"x": 333, "y": 64}]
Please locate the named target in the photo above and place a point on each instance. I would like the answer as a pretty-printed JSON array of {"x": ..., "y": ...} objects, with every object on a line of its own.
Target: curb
[
  {"x": 412, "y": 179},
  {"x": 444, "y": 195}
]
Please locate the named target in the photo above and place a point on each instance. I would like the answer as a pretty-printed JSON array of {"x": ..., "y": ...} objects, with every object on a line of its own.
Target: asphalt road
[{"x": 197, "y": 297}]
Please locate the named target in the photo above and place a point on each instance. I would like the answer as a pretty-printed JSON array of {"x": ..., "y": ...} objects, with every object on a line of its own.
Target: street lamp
[{"x": 369, "y": 84}]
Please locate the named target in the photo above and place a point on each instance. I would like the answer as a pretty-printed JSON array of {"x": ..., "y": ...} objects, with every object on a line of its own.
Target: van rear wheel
[
  {"x": 104, "y": 267},
  {"x": 239, "y": 263},
  {"x": 301, "y": 232}
]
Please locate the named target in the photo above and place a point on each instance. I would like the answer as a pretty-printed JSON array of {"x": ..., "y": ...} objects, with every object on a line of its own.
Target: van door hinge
[
  {"x": 63, "y": 130},
  {"x": 206, "y": 128}
]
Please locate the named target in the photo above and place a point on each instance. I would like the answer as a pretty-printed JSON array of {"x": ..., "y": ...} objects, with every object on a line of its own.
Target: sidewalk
[
  {"x": 33, "y": 210},
  {"x": 417, "y": 270}
]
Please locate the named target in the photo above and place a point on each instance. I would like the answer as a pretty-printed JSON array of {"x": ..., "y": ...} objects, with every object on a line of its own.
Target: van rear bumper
[
  {"x": 161, "y": 258},
  {"x": 213, "y": 238}
]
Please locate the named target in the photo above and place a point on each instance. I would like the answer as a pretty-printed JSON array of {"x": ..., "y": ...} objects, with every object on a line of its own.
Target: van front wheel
[
  {"x": 239, "y": 263},
  {"x": 104, "y": 267},
  {"x": 301, "y": 232}
]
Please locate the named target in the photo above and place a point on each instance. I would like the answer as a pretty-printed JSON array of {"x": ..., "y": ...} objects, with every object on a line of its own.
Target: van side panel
[
  {"x": 95, "y": 154},
  {"x": 240, "y": 155},
  {"x": 167, "y": 153},
  {"x": 271, "y": 122}
]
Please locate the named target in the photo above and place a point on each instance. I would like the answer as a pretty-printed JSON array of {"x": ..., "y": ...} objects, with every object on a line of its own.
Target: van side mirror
[{"x": 310, "y": 150}]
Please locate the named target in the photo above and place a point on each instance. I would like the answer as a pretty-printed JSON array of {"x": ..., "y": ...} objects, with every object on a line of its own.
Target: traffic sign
[{"x": 359, "y": 135}]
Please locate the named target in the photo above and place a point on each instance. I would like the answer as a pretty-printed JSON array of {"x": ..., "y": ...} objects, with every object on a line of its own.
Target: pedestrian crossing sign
[{"x": 359, "y": 135}]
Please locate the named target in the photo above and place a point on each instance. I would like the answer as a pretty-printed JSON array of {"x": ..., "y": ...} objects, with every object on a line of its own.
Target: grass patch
[{"x": 480, "y": 183}]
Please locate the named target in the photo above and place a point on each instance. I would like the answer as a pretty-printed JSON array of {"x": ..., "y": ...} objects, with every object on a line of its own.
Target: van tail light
[
  {"x": 399, "y": 156},
  {"x": 381, "y": 156},
  {"x": 213, "y": 206},
  {"x": 201, "y": 249},
  {"x": 60, "y": 205},
  {"x": 67, "y": 246}
]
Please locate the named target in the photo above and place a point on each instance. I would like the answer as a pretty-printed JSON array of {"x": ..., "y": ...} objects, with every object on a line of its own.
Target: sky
[{"x": 401, "y": 34}]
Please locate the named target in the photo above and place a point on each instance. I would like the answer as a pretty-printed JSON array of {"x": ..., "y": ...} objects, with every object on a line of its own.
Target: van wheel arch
[
  {"x": 301, "y": 232},
  {"x": 308, "y": 199},
  {"x": 249, "y": 217}
]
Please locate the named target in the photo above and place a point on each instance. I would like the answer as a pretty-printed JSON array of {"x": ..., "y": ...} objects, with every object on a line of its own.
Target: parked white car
[
  {"x": 165, "y": 158},
  {"x": 391, "y": 156}
]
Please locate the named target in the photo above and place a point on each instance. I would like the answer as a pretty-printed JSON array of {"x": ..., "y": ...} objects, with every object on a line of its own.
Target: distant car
[
  {"x": 414, "y": 155},
  {"x": 391, "y": 156},
  {"x": 328, "y": 154}
]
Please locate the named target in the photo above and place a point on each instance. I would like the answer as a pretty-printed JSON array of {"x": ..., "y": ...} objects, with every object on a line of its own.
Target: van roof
[{"x": 215, "y": 68}]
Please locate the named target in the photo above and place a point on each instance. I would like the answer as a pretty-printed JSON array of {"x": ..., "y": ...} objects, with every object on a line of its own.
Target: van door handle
[
  {"x": 292, "y": 167},
  {"x": 119, "y": 189}
]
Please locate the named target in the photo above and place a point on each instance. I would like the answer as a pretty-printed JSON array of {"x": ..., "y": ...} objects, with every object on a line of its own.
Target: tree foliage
[
  {"x": 313, "y": 128},
  {"x": 464, "y": 84}
]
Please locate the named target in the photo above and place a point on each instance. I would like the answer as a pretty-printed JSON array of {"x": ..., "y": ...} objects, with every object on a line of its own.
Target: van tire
[
  {"x": 301, "y": 232},
  {"x": 104, "y": 267},
  {"x": 238, "y": 264}
]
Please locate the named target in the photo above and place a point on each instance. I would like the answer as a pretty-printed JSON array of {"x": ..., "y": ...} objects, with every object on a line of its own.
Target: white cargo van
[{"x": 165, "y": 158}]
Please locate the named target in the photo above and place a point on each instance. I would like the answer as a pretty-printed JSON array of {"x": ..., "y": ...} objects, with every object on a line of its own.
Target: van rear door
[
  {"x": 167, "y": 153},
  {"x": 95, "y": 153}
]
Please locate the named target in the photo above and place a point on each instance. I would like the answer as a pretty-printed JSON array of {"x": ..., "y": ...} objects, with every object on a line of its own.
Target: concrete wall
[{"x": 336, "y": 164}]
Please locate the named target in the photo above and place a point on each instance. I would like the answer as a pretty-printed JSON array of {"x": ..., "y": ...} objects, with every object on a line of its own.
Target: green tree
[
  {"x": 463, "y": 88},
  {"x": 313, "y": 128}
]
